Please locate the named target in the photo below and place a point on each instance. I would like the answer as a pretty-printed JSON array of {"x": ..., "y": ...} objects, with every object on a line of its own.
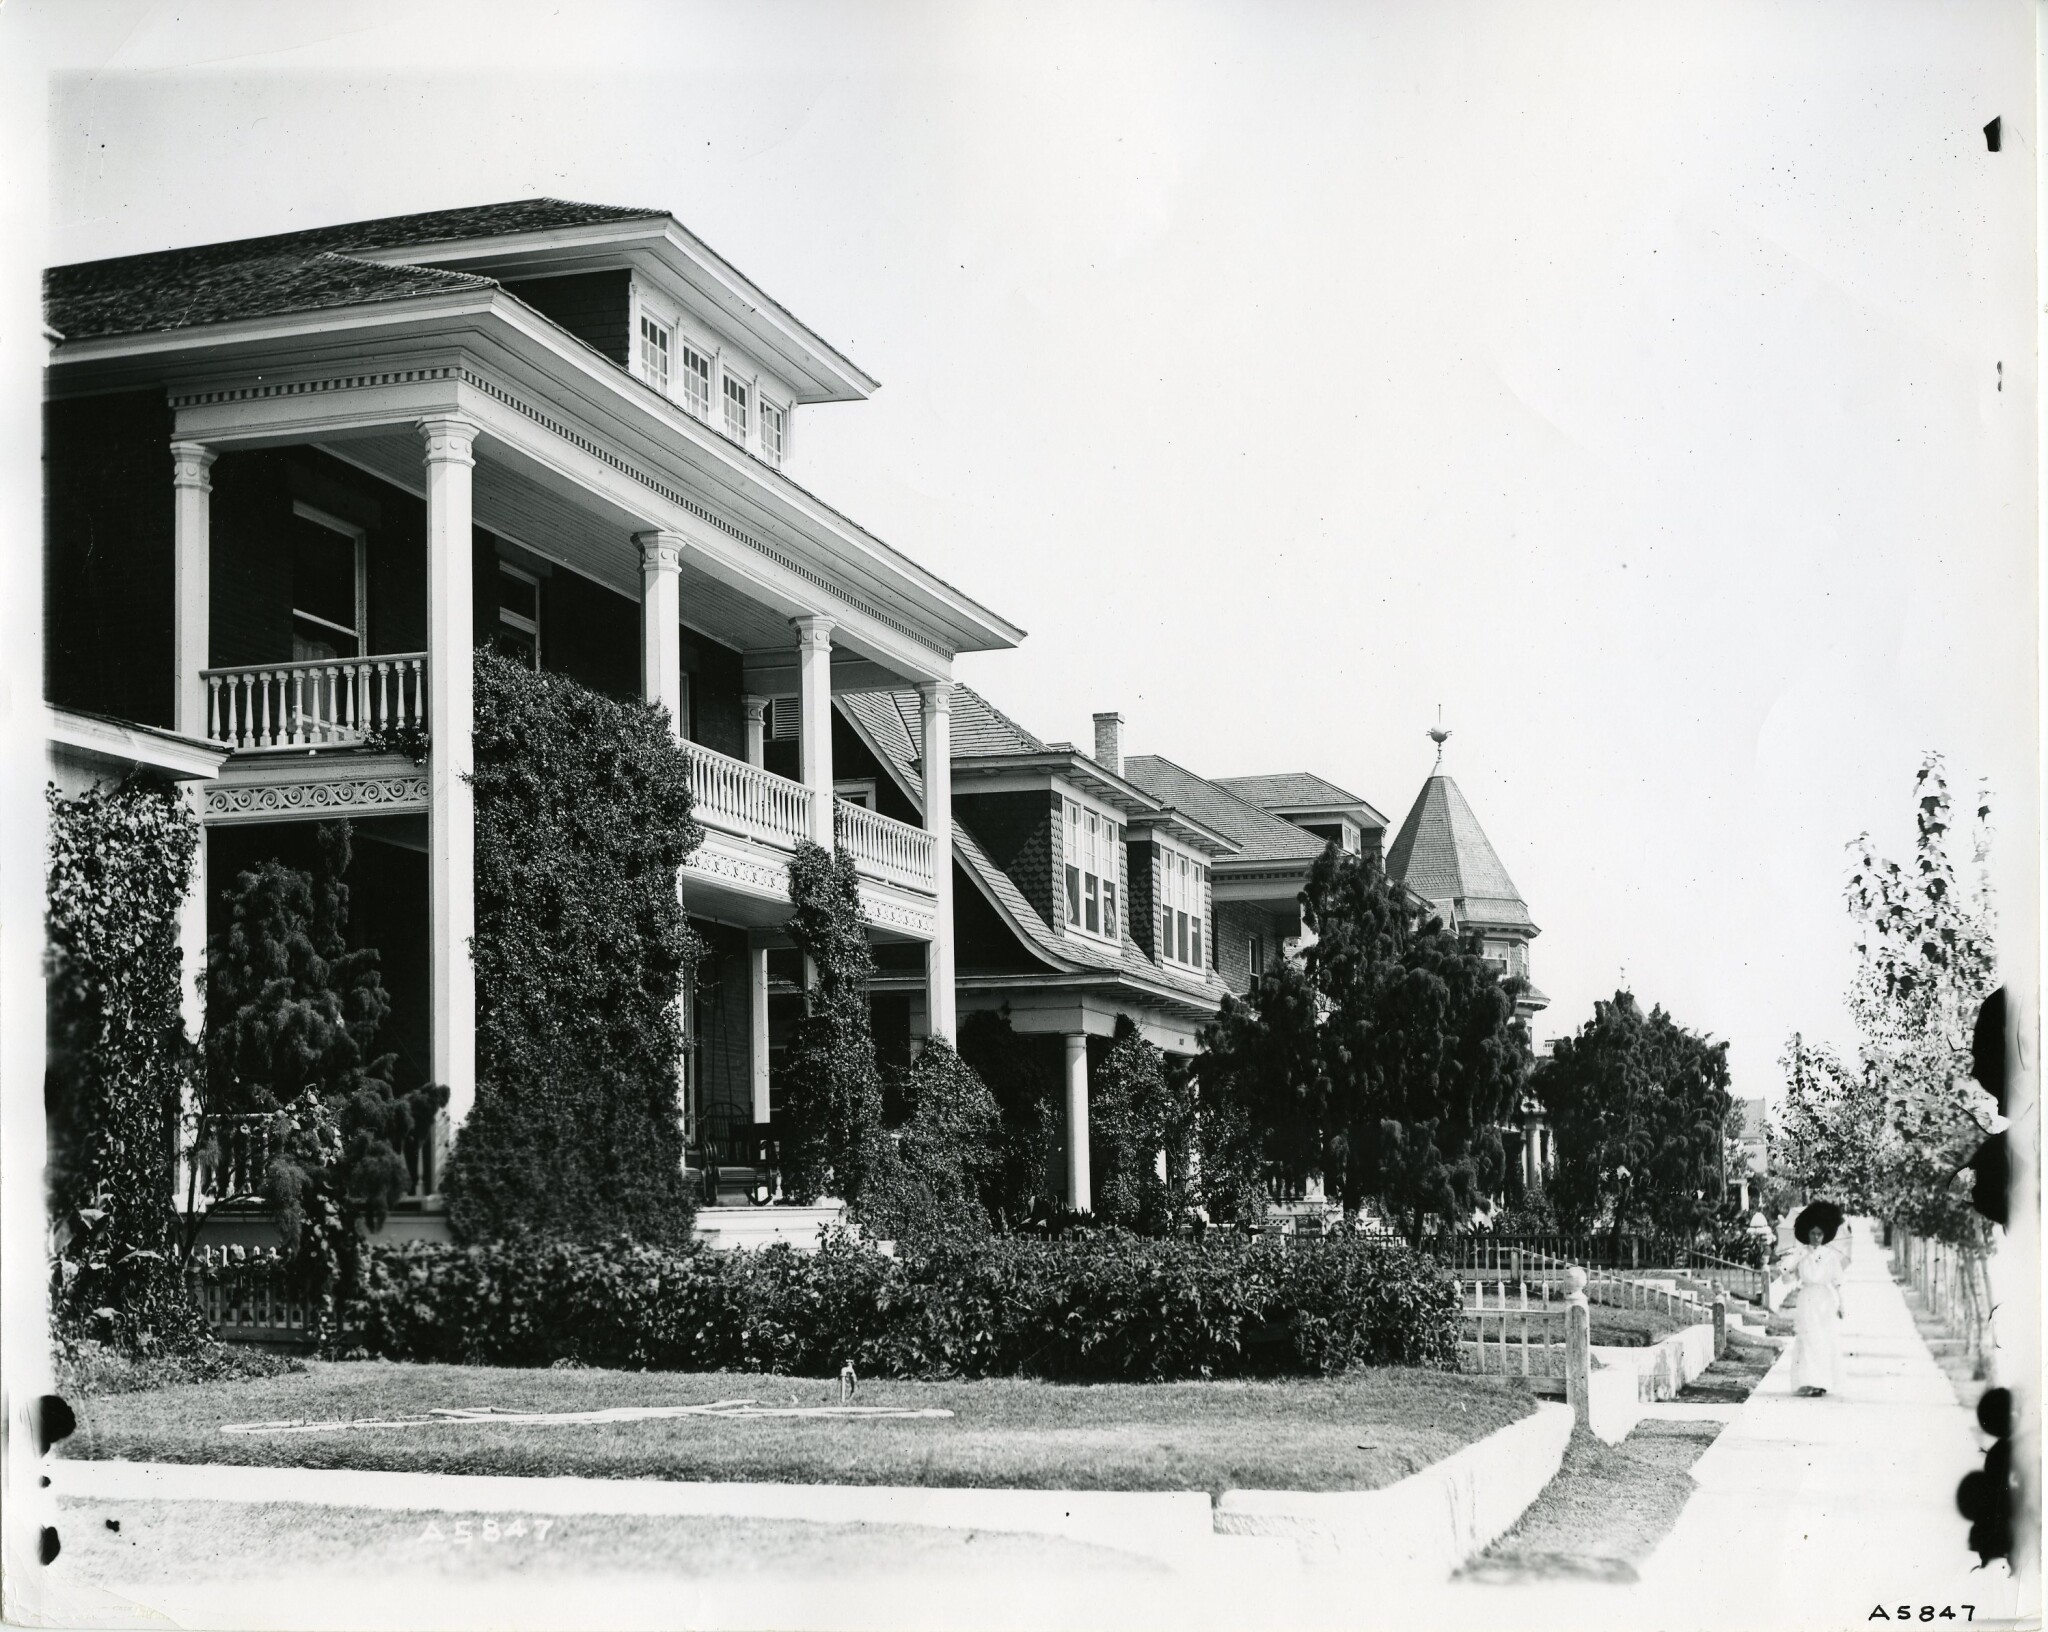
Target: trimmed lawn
[
  {"x": 1357, "y": 1432},
  {"x": 1632, "y": 1328}
]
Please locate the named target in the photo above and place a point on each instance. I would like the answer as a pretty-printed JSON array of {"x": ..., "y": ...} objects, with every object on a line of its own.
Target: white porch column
[
  {"x": 451, "y": 811},
  {"x": 756, "y": 711},
  {"x": 757, "y": 1017},
  {"x": 661, "y": 633},
  {"x": 1078, "y": 1196},
  {"x": 191, "y": 607},
  {"x": 1532, "y": 1163},
  {"x": 192, "y": 925},
  {"x": 814, "y": 719},
  {"x": 937, "y": 696}
]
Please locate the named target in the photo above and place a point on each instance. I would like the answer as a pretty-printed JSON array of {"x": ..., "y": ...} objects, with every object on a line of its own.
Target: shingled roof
[
  {"x": 1442, "y": 854},
  {"x": 291, "y": 271},
  {"x": 1259, "y": 835},
  {"x": 1291, "y": 790}
]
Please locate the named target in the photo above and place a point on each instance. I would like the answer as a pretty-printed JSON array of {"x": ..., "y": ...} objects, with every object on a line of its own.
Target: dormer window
[
  {"x": 696, "y": 381},
  {"x": 735, "y": 409},
  {"x": 1183, "y": 889},
  {"x": 1093, "y": 842},
  {"x": 654, "y": 353},
  {"x": 773, "y": 420}
]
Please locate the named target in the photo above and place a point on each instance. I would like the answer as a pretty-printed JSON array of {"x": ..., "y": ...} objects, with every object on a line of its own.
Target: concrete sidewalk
[{"x": 1812, "y": 1512}]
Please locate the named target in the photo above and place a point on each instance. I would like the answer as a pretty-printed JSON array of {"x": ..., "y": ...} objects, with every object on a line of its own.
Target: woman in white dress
[{"x": 1817, "y": 1323}]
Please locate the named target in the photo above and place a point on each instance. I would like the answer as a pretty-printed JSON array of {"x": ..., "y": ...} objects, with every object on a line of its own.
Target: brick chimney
[{"x": 1109, "y": 742}]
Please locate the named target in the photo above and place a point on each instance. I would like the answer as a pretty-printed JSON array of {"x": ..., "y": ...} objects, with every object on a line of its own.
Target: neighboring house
[
  {"x": 293, "y": 482},
  {"x": 1749, "y": 1149}
]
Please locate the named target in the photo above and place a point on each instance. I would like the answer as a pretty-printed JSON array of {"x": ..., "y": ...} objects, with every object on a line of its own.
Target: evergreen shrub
[
  {"x": 582, "y": 818},
  {"x": 1103, "y": 1308}
]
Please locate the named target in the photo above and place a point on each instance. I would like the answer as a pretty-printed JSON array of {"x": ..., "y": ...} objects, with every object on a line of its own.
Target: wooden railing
[
  {"x": 235, "y": 1159},
  {"x": 328, "y": 703},
  {"x": 1528, "y": 1333},
  {"x": 250, "y": 1295},
  {"x": 884, "y": 848},
  {"x": 735, "y": 797},
  {"x": 1953, "y": 1282}
]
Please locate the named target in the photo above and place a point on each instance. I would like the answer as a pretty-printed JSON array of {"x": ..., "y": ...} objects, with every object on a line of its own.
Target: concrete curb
[
  {"x": 1662, "y": 1369},
  {"x": 1154, "y": 1524},
  {"x": 1432, "y": 1522}
]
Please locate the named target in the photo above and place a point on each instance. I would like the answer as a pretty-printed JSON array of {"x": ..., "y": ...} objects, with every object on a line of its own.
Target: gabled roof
[
  {"x": 886, "y": 720},
  {"x": 290, "y": 271},
  {"x": 1442, "y": 854},
  {"x": 1294, "y": 790},
  {"x": 1259, "y": 835}
]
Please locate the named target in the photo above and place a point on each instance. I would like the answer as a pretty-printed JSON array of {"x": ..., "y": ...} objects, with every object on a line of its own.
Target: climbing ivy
[
  {"x": 582, "y": 947},
  {"x": 832, "y": 1091},
  {"x": 118, "y": 1063}
]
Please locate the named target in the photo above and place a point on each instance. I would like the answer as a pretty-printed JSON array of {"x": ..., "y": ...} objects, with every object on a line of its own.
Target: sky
[{"x": 1652, "y": 389}]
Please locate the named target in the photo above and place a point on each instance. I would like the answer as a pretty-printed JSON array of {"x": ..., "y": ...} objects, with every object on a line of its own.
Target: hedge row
[{"x": 1105, "y": 1309}]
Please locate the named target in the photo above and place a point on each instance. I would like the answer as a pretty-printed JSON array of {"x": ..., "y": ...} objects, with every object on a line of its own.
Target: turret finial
[{"x": 1439, "y": 736}]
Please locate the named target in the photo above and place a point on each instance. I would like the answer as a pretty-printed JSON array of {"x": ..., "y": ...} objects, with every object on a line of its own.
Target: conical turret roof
[{"x": 1443, "y": 855}]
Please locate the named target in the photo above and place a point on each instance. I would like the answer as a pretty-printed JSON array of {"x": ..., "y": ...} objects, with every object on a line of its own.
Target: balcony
[
  {"x": 340, "y": 702},
  {"x": 753, "y": 821},
  {"x": 234, "y": 1164}
]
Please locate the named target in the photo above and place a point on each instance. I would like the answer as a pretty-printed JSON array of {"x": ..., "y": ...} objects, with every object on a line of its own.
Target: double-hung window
[
  {"x": 1092, "y": 844},
  {"x": 654, "y": 353},
  {"x": 773, "y": 420},
  {"x": 735, "y": 409},
  {"x": 328, "y": 587},
  {"x": 696, "y": 381},
  {"x": 518, "y": 634},
  {"x": 1183, "y": 886}
]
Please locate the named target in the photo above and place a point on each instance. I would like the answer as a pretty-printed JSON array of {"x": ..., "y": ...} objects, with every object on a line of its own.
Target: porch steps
[{"x": 725, "y": 1229}]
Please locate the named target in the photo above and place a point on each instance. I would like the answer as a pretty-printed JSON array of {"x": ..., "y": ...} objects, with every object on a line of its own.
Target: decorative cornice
[
  {"x": 449, "y": 439},
  {"x": 190, "y": 463},
  {"x": 661, "y": 552},
  {"x": 767, "y": 877},
  {"x": 232, "y": 803},
  {"x": 886, "y": 910}
]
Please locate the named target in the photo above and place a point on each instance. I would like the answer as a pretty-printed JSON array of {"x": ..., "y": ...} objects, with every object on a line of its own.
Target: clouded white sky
[{"x": 1624, "y": 379}]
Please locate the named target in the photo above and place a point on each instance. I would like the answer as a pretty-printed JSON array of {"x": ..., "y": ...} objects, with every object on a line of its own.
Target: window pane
[
  {"x": 1195, "y": 942},
  {"x": 1073, "y": 895},
  {"x": 1183, "y": 917},
  {"x": 517, "y": 596},
  {"x": 1166, "y": 932},
  {"x": 1109, "y": 924},
  {"x": 324, "y": 576},
  {"x": 1094, "y": 912}
]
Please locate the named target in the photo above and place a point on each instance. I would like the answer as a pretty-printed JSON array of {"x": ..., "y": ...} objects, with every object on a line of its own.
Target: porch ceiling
[{"x": 585, "y": 533}]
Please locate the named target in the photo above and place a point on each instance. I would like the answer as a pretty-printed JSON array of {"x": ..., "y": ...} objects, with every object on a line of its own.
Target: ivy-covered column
[
  {"x": 937, "y": 698},
  {"x": 1078, "y": 1196},
  {"x": 814, "y": 721},
  {"x": 451, "y": 803}
]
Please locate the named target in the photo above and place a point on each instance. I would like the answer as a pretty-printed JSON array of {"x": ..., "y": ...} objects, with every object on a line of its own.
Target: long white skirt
[{"x": 1817, "y": 1337}]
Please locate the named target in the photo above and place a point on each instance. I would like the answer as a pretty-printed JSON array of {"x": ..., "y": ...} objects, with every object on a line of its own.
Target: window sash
[
  {"x": 735, "y": 408},
  {"x": 771, "y": 432},
  {"x": 654, "y": 353},
  {"x": 696, "y": 381}
]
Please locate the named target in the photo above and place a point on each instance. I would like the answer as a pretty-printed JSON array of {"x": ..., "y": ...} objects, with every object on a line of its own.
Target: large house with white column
[{"x": 293, "y": 482}]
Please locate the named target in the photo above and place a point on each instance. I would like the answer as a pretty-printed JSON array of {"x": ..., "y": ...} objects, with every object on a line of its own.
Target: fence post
[
  {"x": 1720, "y": 1324},
  {"x": 1578, "y": 1349}
]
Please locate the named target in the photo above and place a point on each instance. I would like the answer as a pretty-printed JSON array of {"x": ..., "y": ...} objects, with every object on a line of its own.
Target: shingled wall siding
[
  {"x": 596, "y": 307},
  {"x": 1236, "y": 923},
  {"x": 1141, "y": 893},
  {"x": 108, "y": 556},
  {"x": 1018, "y": 832}
]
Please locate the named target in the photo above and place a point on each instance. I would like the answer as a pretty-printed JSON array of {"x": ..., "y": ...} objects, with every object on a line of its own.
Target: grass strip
[{"x": 1361, "y": 1431}]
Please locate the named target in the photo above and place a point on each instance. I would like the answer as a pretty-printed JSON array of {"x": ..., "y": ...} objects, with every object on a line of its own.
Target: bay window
[{"x": 1183, "y": 890}]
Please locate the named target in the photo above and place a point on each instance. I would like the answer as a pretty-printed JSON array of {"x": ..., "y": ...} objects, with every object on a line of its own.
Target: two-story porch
[{"x": 355, "y": 495}]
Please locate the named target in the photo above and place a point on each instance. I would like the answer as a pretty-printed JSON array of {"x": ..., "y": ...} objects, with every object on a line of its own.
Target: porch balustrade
[
  {"x": 884, "y": 848},
  {"x": 736, "y": 797},
  {"x": 326, "y": 703},
  {"x": 237, "y": 1158}
]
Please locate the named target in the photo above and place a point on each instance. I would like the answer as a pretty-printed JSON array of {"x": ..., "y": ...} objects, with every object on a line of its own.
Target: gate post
[{"x": 1578, "y": 1349}]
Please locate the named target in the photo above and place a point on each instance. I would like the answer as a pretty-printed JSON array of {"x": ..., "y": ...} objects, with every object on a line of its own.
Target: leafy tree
[
  {"x": 582, "y": 947},
  {"x": 936, "y": 1173},
  {"x": 1141, "y": 1123},
  {"x": 292, "y": 1019},
  {"x": 117, "y": 1065},
  {"x": 1637, "y": 1105},
  {"x": 1385, "y": 1061},
  {"x": 1902, "y": 1122},
  {"x": 832, "y": 1093}
]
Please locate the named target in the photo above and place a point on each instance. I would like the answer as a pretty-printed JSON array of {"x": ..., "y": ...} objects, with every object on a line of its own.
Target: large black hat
[{"x": 1826, "y": 1214}]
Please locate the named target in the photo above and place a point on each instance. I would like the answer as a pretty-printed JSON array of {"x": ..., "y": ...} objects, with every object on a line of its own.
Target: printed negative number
[
  {"x": 1925, "y": 1612},
  {"x": 489, "y": 1530}
]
